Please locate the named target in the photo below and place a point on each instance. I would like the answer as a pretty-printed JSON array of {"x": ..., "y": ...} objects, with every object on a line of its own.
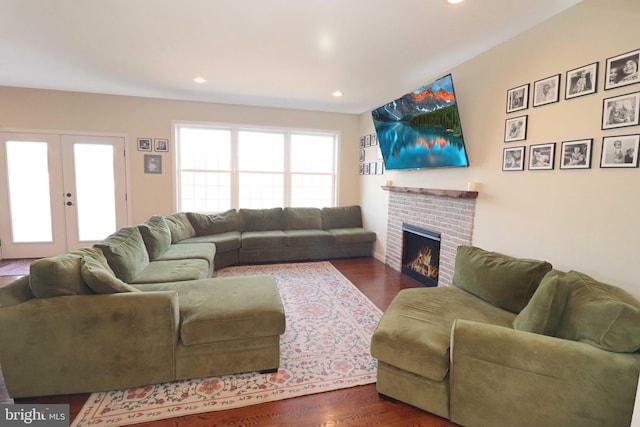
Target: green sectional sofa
[
  {"x": 141, "y": 307},
  {"x": 512, "y": 343}
]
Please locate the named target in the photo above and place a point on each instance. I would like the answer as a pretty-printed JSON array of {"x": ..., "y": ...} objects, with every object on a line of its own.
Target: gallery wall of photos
[
  {"x": 621, "y": 111},
  {"x": 369, "y": 144}
]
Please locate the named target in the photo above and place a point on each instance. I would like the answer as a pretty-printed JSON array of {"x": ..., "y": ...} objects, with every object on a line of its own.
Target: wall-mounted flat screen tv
[{"x": 422, "y": 129}]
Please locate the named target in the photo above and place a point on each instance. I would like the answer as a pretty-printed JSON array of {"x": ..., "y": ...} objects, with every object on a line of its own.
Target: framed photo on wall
[
  {"x": 515, "y": 129},
  {"x": 542, "y": 156},
  {"x": 152, "y": 163},
  {"x": 518, "y": 98},
  {"x": 161, "y": 145},
  {"x": 513, "y": 159},
  {"x": 576, "y": 154},
  {"x": 622, "y": 70},
  {"x": 546, "y": 91},
  {"x": 582, "y": 81},
  {"x": 620, "y": 151},
  {"x": 621, "y": 111},
  {"x": 144, "y": 144}
]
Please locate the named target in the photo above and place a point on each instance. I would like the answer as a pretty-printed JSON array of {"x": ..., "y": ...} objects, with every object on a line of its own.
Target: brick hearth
[{"x": 449, "y": 212}]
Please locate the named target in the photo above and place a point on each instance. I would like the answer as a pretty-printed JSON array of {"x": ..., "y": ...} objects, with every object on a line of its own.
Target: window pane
[
  {"x": 260, "y": 151},
  {"x": 205, "y": 148},
  {"x": 205, "y": 191},
  {"x": 312, "y": 153},
  {"x": 261, "y": 190},
  {"x": 29, "y": 198},
  {"x": 312, "y": 190},
  {"x": 95, "y": 191}
]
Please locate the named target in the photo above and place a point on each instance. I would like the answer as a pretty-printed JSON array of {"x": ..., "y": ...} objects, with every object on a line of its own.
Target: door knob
[
  {"x": 69, "y": 203},
  {"x": 68, "y": 194}
]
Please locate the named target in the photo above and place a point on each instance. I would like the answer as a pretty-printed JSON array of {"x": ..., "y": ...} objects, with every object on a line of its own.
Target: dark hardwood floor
[{"x": 356, "y": 406}]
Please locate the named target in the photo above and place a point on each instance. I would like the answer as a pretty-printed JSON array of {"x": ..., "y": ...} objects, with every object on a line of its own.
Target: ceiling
[{"x": 275, "y": 53}]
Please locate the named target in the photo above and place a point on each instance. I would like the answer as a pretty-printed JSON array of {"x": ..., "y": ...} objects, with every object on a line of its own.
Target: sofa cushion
[
  {"x": 341, "y": 217},
  {"x": 100, "y": 277},
  {"x": 180, "y": 226},
  {"x": 543, "y": 313},
  {"x": 261, "y": 219},
  {"x": 308, "y": 238},
  {"x": 599, "y": 314},
  {"x": 347, "y": 236},
  {"x": 205, "y": 251},
  {"x": 414, "y": 333},
  {"x": 173, "y": 271},
  {"x": 302, "y": 219},
  {"x": 125, "y": 252},
  {"x": 59, "y": 275},
  {"x": 263, "y": 239},
  {"x": 224, "y": 242},
  {"x": 215, "y": 223},
  {"x": 502, "y": 280},
  {"x": 156, "y": 235}
]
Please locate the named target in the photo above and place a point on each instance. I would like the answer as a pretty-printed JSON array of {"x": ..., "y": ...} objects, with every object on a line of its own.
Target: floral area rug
[{"x": 325, "y": 347}]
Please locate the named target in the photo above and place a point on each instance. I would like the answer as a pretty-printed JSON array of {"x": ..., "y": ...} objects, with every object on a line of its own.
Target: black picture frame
[
  {"x": 161, "y": 145},
  {"x": 621, "y": 111},
  {"x": 622, "y": 70},
  {"x": 581, "y": 81},
  {"x": 513, "y": 158},
  {"x": 546, "y": 91},
  {"x": 620, "y": 151},
  {"x": 145, "y": 144},
  {"x": 518, "y": 98},
  {"x": 576, "y": 154},
  {"x": 542, "y": 156},
  {"x": 515, "y": 129}
]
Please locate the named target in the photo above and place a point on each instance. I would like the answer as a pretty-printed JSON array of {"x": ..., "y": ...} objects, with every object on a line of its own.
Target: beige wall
[
  {"x": 585, "y": 220},
  {"x": 31, "y": 109}
]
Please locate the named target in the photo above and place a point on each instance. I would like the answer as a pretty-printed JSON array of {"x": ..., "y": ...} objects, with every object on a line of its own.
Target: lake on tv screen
[{"x": 408, "y": 147}]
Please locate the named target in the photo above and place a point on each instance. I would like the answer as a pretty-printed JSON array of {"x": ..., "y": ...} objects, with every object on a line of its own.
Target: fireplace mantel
[{"x": 456, "y": 194}]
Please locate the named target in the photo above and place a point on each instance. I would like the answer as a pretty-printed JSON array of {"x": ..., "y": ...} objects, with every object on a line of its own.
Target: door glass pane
[
  {"x": 29, "y": 196},
  {"x": 95, "y": 191}
]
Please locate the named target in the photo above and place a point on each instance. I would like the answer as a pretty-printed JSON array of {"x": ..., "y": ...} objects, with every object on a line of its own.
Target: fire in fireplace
[{"x": 421, "y": 254}]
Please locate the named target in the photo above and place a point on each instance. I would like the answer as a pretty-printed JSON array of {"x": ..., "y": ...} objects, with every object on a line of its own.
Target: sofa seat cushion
[
  {"x": 262, "y": 239},
  {"x": 156, "y": 235},
  {"x": 308, "y": 238},
  {"x": 173, "y": 271},
  {"x": 205, "y": 251},
  {"x": 59, "y": 275},
  {"x": 227, "y": 308},
  {"x": 225, "y": 242},
  {"x": 342, "y": 236},
  {"x": 414, "y": 333},
  {"x": 126, "y": 253}
]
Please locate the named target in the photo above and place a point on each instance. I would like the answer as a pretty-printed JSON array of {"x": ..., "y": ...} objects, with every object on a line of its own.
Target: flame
[{"x": 422, "y": 264}]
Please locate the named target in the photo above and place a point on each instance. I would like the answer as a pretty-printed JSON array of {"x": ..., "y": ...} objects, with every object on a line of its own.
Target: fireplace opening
[{"x": 421, "y": 254}]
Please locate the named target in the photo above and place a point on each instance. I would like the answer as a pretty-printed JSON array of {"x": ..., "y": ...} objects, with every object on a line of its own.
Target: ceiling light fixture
[
  {"x": 199, "y": 80},
  {"x": 455, "y": 1},
  {"x": 337, "y": 93}
]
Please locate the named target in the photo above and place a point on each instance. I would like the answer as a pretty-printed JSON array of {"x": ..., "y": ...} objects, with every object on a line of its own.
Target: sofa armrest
[
  {"x": 504, "y": 377},
  {"x": 83, "y": 343}
]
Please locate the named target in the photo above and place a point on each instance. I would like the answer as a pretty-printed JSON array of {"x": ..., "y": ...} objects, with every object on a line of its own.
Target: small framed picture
[
  {"x": 361, "y": 168},
  {"x": 152, "y": 163},
  {"x": 362, "y": 142},
  {"x": 621, "y": 111},
  {"x": 515, "y": 129},
  {"x": 582, "y": 81},
  {"x": 367, "y": 141},
  {"x": 161, "y": 145},
  {"x": 622, "y": 70},
  {"x": 367, "y": 169},
  {"x": 620, "y": 151},
  {"x": 513, "y": 159},
  {"x": 546, "y": 91},
  {"x": 379, "y": 168},
  {"x": 374, "y": 139},
  {"x": 518, "y": 98},
  {"x": 361, "y": 155},
  {"x": 144, "y": 144},
  {"x": 576, "y": 154},
  {"x": 542, "y": 156}
]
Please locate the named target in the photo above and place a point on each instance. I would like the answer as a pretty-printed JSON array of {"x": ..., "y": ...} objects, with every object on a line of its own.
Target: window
[{"x": 223, "y": 167}]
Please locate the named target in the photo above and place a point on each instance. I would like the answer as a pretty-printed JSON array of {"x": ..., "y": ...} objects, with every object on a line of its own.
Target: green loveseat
[
  {"x": 512, "y": 343},
  {"x": 140, "y": 307}
]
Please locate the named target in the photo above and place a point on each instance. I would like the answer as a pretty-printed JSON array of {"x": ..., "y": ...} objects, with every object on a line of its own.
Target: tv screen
[{"x": 422, "y": 129}]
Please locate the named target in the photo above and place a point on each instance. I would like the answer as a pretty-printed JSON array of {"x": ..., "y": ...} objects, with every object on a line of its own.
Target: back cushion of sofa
[
  {"x": 302, "y": 219},
  {"x": 126, "y": 253},
  {"x": 59, "y": 275},
  {"x": 341, "y": 217},
  {"x": 261, "y": 219},
  {"x": 100, "y": 278},
  {"x": 156, "y": 235},
  {"x": 501, "y": 280},
  {"x": 599, "y": 314},
  {"x": 206, "y": 225},
  {"x": 180, "y": 226},
  {"x": 543, "y": 313}
]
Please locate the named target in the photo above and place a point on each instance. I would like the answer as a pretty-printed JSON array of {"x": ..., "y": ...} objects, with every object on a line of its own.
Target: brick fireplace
[{"x": 449, "y": 212}]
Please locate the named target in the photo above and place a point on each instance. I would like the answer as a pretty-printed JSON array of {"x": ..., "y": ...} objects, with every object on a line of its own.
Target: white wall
[{"x": 585, "y": 220}]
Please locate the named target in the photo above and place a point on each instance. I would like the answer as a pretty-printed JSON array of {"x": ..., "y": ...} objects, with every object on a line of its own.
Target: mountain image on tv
[{"x": 422, "y": 129}]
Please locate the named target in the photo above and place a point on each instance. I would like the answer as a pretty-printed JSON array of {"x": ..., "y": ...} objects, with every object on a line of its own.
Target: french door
[{"x": 59, "y": 192}]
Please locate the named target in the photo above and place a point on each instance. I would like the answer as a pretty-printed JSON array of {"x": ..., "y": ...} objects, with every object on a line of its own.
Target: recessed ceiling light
[
  {"x": 337, "y": 93},
  {"x": 199, "y": 80},
  {"x": 455, "y": 1}
]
